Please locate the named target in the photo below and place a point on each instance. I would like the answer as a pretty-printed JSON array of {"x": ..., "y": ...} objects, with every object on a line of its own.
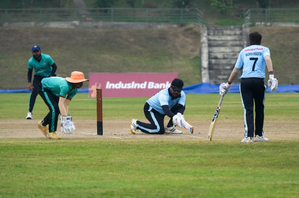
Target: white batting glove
[
  {"x": 272, "y": 82},
  {"x": 177, "y": 119},
  {"x": 181, "y": 115},
  {"x": 223, "y": 88}
]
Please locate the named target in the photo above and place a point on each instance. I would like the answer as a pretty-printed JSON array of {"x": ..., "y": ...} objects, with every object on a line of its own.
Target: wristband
[{"x": 271, "y": 76}]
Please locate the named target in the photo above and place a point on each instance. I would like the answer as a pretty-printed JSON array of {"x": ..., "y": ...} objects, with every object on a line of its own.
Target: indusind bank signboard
[{"x": 129, "y": 84}]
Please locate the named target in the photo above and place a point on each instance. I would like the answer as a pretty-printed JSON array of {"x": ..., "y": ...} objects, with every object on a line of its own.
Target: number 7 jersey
[{"x": 252, "y": 58}]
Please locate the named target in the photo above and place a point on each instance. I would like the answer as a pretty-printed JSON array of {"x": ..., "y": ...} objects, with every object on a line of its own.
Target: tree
[
  {"x": 23, "y": 3},
  {"x": 263, "y": 3},
  {"x": 131, "y": 3},
  {"x": 104, "y": 4},
  {"x": 222, "y": 6},
  {"x": 181, "y": 3}
]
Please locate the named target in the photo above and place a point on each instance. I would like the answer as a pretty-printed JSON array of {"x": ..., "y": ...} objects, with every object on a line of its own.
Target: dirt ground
[{"x": 119, "y": 129}]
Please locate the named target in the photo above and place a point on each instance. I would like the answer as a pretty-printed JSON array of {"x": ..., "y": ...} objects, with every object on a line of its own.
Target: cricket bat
[
  {"x": 187, "y": 126},
  {"x": 213, "y": 123}
]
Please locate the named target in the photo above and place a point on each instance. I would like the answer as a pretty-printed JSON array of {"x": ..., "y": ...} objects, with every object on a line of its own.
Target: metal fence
[
  {"x": 147, "y": 15},
  {"x": 274, "y": 15}
]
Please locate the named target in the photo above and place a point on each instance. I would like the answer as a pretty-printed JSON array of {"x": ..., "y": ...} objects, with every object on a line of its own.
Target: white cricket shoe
[
  {"x": 133, "y": 126},
  {"x": 172, "y": 130},
  {"x": 260, "y": 138},
  {"x": 247, "y": 140},
  {"x": 29, "y": 116}
]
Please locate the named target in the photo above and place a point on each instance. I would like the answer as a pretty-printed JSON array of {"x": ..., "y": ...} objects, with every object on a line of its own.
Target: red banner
[{"x": 129, "y": 84}]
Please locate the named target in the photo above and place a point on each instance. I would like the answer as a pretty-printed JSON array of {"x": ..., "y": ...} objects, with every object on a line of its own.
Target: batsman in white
[
  {"x": 170, "y": 102},
  {"x": 57, "y": 93},
  {"x": 253, "y": 59}
]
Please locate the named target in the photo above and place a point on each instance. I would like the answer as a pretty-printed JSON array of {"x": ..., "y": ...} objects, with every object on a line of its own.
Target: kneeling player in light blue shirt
[{"x": 170, "y": 102}]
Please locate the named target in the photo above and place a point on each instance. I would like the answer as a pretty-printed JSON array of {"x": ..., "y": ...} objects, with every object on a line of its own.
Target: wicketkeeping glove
[
  {"x": 223, "y": 88},
  {"x": 272, "y": 82},
  {"x": 67, "y": 126}
]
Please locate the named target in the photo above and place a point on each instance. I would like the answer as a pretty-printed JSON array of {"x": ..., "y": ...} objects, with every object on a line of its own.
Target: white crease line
[
  {"x": 97, "y": 134},
  {"x": 87, "y": 133},
  {"x": 129, "y": 137},
  {"x": 115, "y": 137},
  {"x": 192, "y": 136}
]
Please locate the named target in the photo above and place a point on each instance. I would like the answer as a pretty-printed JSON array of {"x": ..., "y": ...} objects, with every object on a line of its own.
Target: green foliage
[
  {"x": 263, "y": 3},
  {"x": 131, "y": 3},
  {"x": 181, "y": 3},
  {"x": 36, "y": 3},
  {"x": 104, "y": 4},
  {"x": 222, "y": 6}
]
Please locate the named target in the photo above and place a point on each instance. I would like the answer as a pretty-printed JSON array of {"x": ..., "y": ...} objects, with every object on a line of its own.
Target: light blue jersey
[
  {"x": 163, "y": 98},
  {"x": 252, "y": 58},
  {"x": 42, "y": 67},
  {"x": 59, "y": 87}
]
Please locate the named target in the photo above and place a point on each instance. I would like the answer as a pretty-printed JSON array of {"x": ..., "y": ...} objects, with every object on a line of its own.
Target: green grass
[
  {"x": 229, "y": 22},
  {"x": 102, "y": 50},
  {"x": 125, "y": 50},
  {"x": 279, "y": 106},
  {"x": 148, "y": 167}
]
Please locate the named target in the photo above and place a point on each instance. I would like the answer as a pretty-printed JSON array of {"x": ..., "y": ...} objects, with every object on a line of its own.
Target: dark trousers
[
  {"x": 36, "y": 81},
  {"x": 51, "y": 101},
  {"x": 253, "y": 93},
  {"x": 156, "y": 119}
]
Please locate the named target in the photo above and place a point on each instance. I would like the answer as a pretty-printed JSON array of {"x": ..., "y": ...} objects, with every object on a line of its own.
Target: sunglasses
[{"x": 174, "y": 88}]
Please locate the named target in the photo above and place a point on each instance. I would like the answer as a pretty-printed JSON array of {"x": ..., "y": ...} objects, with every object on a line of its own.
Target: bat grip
[{"x": 220, "y": 101}]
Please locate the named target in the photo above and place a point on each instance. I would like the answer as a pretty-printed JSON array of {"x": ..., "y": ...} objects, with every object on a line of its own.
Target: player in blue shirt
[
  {"x": 253, "y": 59},
  {"x": 57, "y": 94},
  {"x": 44, "y": 66},
  {"x": 170, "y": 102}
]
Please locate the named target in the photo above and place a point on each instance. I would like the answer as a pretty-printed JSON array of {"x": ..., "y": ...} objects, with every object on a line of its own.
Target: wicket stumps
[{"x": 99, "y": 112}]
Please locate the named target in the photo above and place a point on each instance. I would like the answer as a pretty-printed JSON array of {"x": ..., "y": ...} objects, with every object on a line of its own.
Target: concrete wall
[
  {"x": 93, "y": 24},
  {"x": 204, "y": 50}
]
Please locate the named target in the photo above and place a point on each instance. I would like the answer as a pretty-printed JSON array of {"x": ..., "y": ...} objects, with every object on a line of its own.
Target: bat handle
[{"x": 220, "y": 101}]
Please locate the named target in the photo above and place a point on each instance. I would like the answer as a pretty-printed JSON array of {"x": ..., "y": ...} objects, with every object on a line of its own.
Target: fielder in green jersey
[{"x": 44, "y": 66}]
